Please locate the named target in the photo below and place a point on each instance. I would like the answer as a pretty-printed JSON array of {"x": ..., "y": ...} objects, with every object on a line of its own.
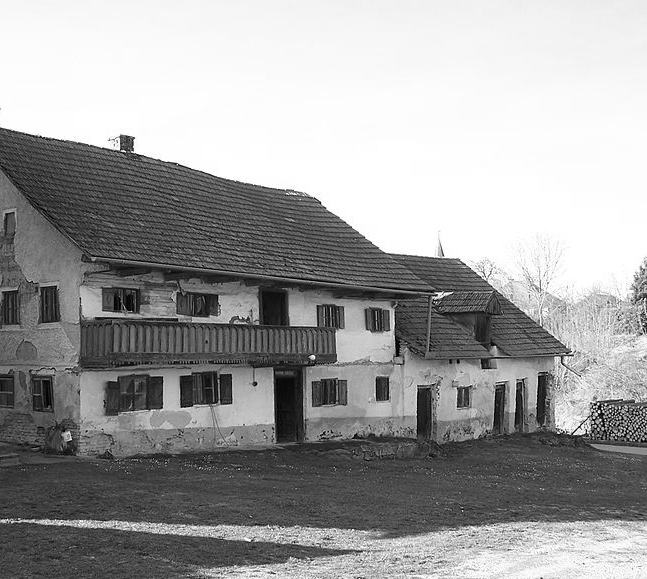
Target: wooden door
[
  {"x": 499, "y": 408},
  {"x": 288, "y": 405},
  {"x": 424, "y": 413},
  {"x": 519, "y": 408}
]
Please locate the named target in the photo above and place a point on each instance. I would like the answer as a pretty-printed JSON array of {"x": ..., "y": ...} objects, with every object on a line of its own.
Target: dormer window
[{"x": 483, "y": 329}]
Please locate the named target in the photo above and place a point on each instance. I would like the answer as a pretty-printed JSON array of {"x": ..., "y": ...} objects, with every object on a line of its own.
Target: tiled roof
[
  {"x": 513, "y": 332},
  {"x": 125, "y": 206},
  {"x": 466, "y": 302},
  {"x": 448, "y": 339}
]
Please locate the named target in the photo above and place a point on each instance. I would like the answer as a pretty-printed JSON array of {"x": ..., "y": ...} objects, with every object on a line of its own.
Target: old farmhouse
[{"x": 149, "y": 307}]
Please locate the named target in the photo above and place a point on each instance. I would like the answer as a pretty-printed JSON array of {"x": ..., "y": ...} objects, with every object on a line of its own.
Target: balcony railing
[{"x": 125, "y": 342}]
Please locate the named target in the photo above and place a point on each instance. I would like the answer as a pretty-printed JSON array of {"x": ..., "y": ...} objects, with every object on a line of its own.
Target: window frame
[
  {"x": 329, "y": 392},
  {"x": 15, "y": 309},
  {"x": 152, "y": 394},
  {"x": 463, "y": 397},
  {"x": 10, "y": 394},
  {"x": 189, "y": 309},
  {"x": 197, "y": 384},
  {"x": 378, "y": 319},
  {"x": 42, "y": 390},
  {"x": 119, "y": 293},
  {"x": 382, "y": 385},
  {"x": 5, "y": 214},
  {"x": 49, "y": 310},
  {"x": 330, "y": 316}
]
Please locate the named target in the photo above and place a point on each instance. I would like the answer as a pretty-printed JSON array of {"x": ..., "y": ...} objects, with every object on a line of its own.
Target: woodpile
[{"x": 622, "y": 420}]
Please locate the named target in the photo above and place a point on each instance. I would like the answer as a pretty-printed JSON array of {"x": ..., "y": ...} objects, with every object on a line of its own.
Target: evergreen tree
[{"x": 639, "y": 293}]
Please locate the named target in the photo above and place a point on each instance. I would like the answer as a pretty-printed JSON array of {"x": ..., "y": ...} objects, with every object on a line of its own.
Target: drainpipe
[
  {"x": 561, "y": 359},
  {"x": 429, "y": 323}
]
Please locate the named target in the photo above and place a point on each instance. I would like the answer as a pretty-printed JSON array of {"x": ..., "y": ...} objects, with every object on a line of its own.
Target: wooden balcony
[{"x": 107, "y": 343}]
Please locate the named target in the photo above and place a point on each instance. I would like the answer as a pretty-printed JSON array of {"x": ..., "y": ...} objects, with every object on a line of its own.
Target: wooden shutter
[
  {"x": 155, "y": 394},
  {"x": 316, "y": 393},
  {"x": 340, "y": 313},
  {"x": 112, "y": 398},
  {"x": 320, "y": 316},
  {"x": 198, "y": 381},
  {"x": 183, "y": 303},
  {"x": 108, "y": 299},
  {"x": 343, "y": 392},
  {"x": 369, "y": 319},
  {"x": 386, "y": 320},
  {"x": 226, "y": 390},
  {"x": 213, "y": 305},
  {"x": 186, "y": 391}
]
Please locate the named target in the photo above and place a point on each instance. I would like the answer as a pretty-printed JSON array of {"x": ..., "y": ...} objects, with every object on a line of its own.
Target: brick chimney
[{"x": 126, "y": 143}]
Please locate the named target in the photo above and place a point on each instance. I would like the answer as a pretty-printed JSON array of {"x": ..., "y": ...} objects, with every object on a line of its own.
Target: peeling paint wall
[
  {"x": 363, "y": 415},
  {"x": 455, "y": 424},
  {"x": 249, "y": 420},
  {"x": 38, "y": 254}
]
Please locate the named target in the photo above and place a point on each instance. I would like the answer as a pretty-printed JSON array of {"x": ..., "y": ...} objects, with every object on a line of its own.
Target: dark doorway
[
  {"x": 499, "y": 408},
  {"x": 424, "y": 413},
  {"x": 542, "y": 392},
  {"x": 274, "y": 308},
  {"x": 288, "y": 405},
  {"x": 519, "y": 407}
]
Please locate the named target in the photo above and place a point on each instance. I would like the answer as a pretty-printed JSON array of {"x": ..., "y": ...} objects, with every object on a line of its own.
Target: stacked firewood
[{"x": 622, "y": 420}]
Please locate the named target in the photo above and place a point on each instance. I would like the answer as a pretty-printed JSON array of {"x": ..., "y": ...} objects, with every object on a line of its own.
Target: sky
[{"x": 488, "y": 121}]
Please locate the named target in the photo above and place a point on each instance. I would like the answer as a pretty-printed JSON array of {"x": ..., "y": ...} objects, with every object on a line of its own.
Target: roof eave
[{"x": 340, "y": 286}]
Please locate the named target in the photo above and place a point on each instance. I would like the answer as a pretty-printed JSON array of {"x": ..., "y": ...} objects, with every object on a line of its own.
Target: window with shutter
[
  {"x": 117, "y": 299},
  {"x": 112, "y": 398},
  {"x": 226, "y": 390},
  {"x": 330, "y": 316},
  {"x": 10, "y": 308},
  {"x": 6, "y": 391},
  {"x": 329, "y": 392},
  {"x": 186, "y": 391},
  {"x": 382, "y": 393},
  {"x": 377, "y": 319},
  {"x": 198, "y": 305},
  {"x": 49, "y": 311}
]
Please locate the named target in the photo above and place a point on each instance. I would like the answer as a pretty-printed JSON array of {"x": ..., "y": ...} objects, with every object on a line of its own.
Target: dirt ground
[{"x": 520, "y": 507}]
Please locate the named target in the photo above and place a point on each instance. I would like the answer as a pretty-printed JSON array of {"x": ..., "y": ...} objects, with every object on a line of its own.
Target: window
[
  {"x": 463, "y": 396},
  {"x": 330, "y": 316},
  {"x": 9, "y": 224},
  {"x": 274, "y": 308},
  {"x": 483, "y": 329},
  {"x": 488, "y": 364},
  {"x": 49, "y": 305},
  {"x": 135, "y": 392},
  {"x": 6, "y": 390},
  {"x": 330, "y": 392},
  {"x": 202, "y": 305},
  {"x": 42, "y": 393},
  {"x": 377, "y": 320},
  {"x": 10, "y": 308},
  {"x": 382, "y": 393},
  {"x": 206, "y": 388},
  {"x": 119, "y": 299}
]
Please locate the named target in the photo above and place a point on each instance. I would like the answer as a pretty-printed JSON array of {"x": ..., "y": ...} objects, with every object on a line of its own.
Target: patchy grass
[{"x": 493, "y": 508}]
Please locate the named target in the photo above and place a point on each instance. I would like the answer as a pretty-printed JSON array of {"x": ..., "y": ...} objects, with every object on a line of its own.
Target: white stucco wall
[
  {"x": 452, "y": 423},
  {"x": 248, "y": 420}
]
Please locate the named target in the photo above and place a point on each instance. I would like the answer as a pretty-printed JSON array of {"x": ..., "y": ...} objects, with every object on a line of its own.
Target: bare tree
[
  {"x": 491, "y": 273},
  {"x": 539, "y": 262}
]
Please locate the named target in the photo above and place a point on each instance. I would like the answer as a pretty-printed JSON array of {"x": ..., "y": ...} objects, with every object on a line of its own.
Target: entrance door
[
  {"x": 424, "y": 413},
  {"x": 519, "y": 406},
  {"x": 542, "y": 389},
  {"x": 288, "y": 405},
  {"x": 499, "y": 408}
]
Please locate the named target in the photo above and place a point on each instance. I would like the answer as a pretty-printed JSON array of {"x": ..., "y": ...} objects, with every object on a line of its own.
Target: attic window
[
  {"x": 483, "y": 328},
  {"x": 49, "y": 308},
  {"x": 330, "y": 316},
  {"x": 125, "y": 300},
  {"x": 10, "y": 308},
  {"x": 200, "y": 305},
  {"x": 377, "y": 319},
  {"x": 488, "y": 364},
  {"x": 9, "y": 224}
]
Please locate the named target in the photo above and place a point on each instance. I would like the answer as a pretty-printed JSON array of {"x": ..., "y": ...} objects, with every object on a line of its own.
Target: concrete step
[{"x": 9, "y": 459}]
